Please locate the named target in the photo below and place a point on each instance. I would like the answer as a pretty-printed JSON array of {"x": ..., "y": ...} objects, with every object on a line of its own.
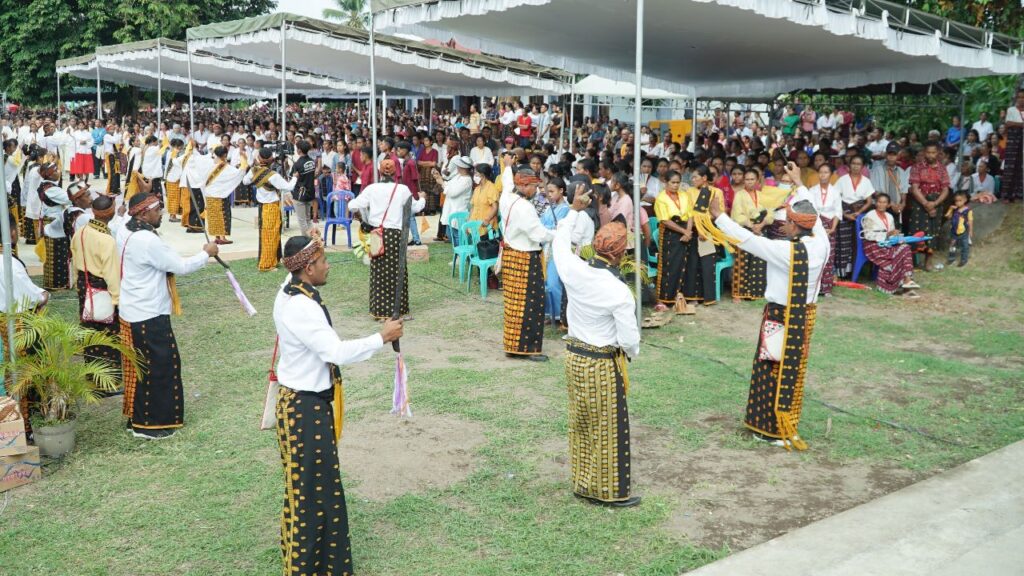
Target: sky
[{"x": 313, "y": 8}]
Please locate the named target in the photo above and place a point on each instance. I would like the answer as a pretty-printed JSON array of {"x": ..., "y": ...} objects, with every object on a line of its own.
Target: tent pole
[
  {"x": 960, "y": 146},
  {"x": 693, "y": 126},
  {"x": 572, "y": 96},
  {"x": 430, "y": 117},
  {"x": 191, "y": 106},
  {"x": 284, "y": 88},
  {"x": 99, "y": 95},
  {"x": 572, "y": 117},
  {"x": 636, "y": 158},
  {"x": 384, "y": 112},
  {"x": 159, "y": 82},
  {"x": 56, "y": 119},
  {"x": 5, "y": 233},
  {"x": 373, "y": 101}
]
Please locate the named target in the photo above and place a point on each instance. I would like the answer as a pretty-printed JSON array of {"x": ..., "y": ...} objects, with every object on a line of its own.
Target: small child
[{"x": 961, "y": 230}]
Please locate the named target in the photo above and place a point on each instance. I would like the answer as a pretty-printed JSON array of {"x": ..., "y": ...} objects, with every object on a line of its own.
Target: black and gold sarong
[
  {"x": 314, "y": 520},
  {"x": 598, "y": 383},
  {"x": 56, "y": 275},
  {"x": 173, "y": 198},
  {"x": 270, "y": 236},
  {"x": 154, "y": 399},
  {"x": 699, "y": 271},
  {"x": 522, "y": 280},
  {"x": 384, "y": 278},
  {"x": 749, "y": 276},
  {"x": 670, "y": 264},
  {"x": 113, "y": 168},
  {"x": 218, "y": 216},
  {"x": 193, "y": 209},
  {"x": 777, "y": 388}
]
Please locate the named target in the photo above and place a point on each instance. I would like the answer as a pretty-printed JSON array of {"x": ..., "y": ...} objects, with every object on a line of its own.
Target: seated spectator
[{"x": 895, "y": 264}]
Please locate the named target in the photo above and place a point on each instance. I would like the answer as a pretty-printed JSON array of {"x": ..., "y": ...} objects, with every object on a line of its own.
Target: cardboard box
[
  {"x": 12, "y": 428},
  {"x": 20, "y": 469}
]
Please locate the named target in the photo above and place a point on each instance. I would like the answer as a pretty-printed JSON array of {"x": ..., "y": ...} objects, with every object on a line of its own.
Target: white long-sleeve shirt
[
  {"x": 83, "y": 141},
  {"x": 521, "y": 228},
  {"x": 777, "y": 254},
  {"x": 457, "y": 193},
  {"x": 30, "y": 195},
  {"x": 264, "y": 196},
  {"x": 152, "y": 166},
  {"x": 602, "y": 311},
  {"x": 373, "y": 201},
  {"x": 826, "y": 200},
  {"x": 850, "y": 193},
  {"x": 146, "y": 260},
  {"x": 307, "y": 343},
  {"x": 224, "y": 184},
  {"x": 26, "y": 294},
  {"x": 875, "y": 228},
  {"x": 109, "y": 141}
]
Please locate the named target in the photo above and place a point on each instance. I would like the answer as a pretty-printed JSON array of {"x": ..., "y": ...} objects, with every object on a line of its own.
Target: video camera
[{"x": 280, "y": 148}]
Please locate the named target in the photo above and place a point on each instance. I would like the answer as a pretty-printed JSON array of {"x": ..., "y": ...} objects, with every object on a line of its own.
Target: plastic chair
[
  {"x": 462, "y": 249},
  {"x": 288, "y": 216},
  {"x": 652, "y": 254},
  {"x": 472, "y": 230},
  {"x": 337, "y": 215},
  {"x": 861, "y": 259},
  {"x": 721, "y": 266}
]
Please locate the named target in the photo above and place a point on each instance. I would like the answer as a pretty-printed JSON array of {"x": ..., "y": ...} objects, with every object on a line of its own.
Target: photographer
[{"x": 304, "y": 195}]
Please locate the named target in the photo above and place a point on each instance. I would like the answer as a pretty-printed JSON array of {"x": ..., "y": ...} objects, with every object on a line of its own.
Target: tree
[
  {"x": 348, "y": 11},
  {"x": 37, "y": 33}
]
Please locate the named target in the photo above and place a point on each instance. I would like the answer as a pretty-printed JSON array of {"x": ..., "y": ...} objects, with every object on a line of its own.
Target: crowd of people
[{"x": 789, "y": 204}]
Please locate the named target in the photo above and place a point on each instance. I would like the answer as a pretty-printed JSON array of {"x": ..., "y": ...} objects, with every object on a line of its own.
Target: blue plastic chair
[
  {"x": 462, "y": 249},
  {"x": 652, "y": 254},
  {"x": 861, "y": 259},
  {"x": 288, "y": 216},
  {"x": 722, "y": 265},
  {"x": 337, "y": 215},
  {"x": 472, "y": 230}
]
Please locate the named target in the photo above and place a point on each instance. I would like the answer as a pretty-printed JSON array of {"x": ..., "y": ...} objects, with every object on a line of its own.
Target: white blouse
[{"x": 850, "y": 193}]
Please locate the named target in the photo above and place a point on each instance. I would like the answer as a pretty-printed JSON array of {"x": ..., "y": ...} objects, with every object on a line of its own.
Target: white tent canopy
[
  {"x": 85, "y": 67},
  {"x": 595, "y": 85},
  {"x": 720, "y": 47},
  {"x": 170, "y": 57},
  {"x": 332, "y": 49}
]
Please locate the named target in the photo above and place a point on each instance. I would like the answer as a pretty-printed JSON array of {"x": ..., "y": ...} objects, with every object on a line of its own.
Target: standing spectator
[
  {"x": 955, "y": 133},
  {"x": 808, "y": 120},
  {"x": 1013, "y": 159},
  {"x": 961, "y": 230},
  {"x": 983, "y": 127},
  {"x": 98, "y": 132}
]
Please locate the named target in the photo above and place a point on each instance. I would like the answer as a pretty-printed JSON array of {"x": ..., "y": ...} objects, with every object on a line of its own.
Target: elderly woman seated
[{"x": 895, "y": 263}]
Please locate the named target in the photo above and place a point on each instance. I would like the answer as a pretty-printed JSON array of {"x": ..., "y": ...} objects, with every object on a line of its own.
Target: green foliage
[
  {"x": 350, "y": 12},
  {"x": 37, "y": 33},
  {"x": 50, "y": 368},
  {"x": 1003, "y": 16}
]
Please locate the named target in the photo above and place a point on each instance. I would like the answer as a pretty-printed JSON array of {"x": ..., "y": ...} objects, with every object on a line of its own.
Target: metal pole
[
  {"x": 284, "y": 89},
  {"x": 960, "y": 146},
  {"x": 191, "y": 106},
  {"x": 373, "y": 102},
  {"x": 5, "y": 231},
  {"x": 693, "y": 127},
  {"x": 159, "y": 81},
  {"x": 430, "y": 118},
  {"x": 384, "y": 112},
  {"x": 56, "y": 119},
  {"x": 636, "y": 158},
  {"x": 99, "y": 94},
  {"x": 572, "y": 115}
]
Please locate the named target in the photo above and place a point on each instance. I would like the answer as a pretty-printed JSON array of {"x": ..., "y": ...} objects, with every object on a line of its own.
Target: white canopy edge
[
  {"x": 426, "y": 19},
  {"x": 145, "y": 79},
  {"x": 526, "y": 83},
  {"x": 594, "y": 85},
  {"x": 147, "y": 59}
]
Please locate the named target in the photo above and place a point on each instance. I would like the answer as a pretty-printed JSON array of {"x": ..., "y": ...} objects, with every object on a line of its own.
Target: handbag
[
  {"x": 269, "y": 420},
  {"x": 98, "y": 305},
  {"x": 772, "y": 336},
  {"x": 488, "y": 248},
  {"x": 377, "y": 235}
]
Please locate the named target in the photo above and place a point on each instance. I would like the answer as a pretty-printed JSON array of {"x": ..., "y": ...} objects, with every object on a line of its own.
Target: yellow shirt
[
  {"x": 665, "y": 207},
  {"x": 483, "y": 201},
  {"x": 745, "y": 208},
  {"x": 100, "y": 255}
]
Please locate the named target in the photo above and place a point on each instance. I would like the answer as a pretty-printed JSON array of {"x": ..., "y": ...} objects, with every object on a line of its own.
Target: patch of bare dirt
[
  {"x": 387, "y": 456},
  {"x": 739, "y": 497}
]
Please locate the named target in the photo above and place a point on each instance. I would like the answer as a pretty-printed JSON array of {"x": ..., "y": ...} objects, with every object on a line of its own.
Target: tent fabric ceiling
[
  {"x": 340, "y": 51},
  {"x": 211, "y": 68},
  {"x": 708, "y": 47},
  {"x": 85, "y": 67},
  {"x": 594, "y": 85}
]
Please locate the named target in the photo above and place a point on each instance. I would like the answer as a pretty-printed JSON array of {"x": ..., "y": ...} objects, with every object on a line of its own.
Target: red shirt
[
  {"x": 930, "y": 179},
  {"x": 525, "y": 126}
]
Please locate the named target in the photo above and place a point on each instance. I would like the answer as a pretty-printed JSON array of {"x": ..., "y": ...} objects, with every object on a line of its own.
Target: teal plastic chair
[
  {"x": 652, "y": 254},
  {"x": 461, "y": 249},
  {"x": 721, "y": 266},
  {"x": 472, "y": 230}
]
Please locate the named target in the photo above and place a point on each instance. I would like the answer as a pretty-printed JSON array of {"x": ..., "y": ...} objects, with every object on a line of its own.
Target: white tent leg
[
  {"x": 99, "y": 95},
  {"x": 373, "y": 101},
  {"x": 383, "y": 112},
  {"x": 430, "y": 117},
  {"x": 284, "y": 88},
  {"x": 159, "y": 83},
  {"x": 56, "y": 119},
  {"x": 693, "y": 126},
  {"x": 191, "y": 106},
  {"x": 636, "y": 158},
  {"x": 5, "y": 233}
]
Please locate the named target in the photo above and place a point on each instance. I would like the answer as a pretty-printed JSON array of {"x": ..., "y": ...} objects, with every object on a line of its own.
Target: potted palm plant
[{"x": 52, "y": 372}]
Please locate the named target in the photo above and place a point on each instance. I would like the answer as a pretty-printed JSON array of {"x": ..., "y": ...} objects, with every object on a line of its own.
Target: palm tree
[{"x": 348, "y": 11}]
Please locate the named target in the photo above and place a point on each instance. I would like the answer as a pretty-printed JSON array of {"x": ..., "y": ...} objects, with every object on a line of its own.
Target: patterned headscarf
[
  {"x": 303, "y": 257},
  {"x": 524, "y": 177},
  {"x": 610, "y": 240},
  {"x": 803, "y": 216},
  {"x": 142, "y": 202}
]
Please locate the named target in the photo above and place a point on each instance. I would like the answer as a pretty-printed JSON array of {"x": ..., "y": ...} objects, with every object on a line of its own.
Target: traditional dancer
[
  {"x": 780, "y": 363},
  {"x": 30, "y": 180},
  {"x": 268, "y": 183},
  {"x": 173, "y": 175},
  {"x": 112, "y": 159},
  {"x": 221, "y": 182},
  {"x": 154, "y": 401},
  {"x": 56, "y": 246},
  {"x": 314, "y": 520},
  {"x": 603, "y": 336},
  {"x": 380, "y": 207},
  {"x": 522, "y": 272},
  {"x": 97, "y": 262}
]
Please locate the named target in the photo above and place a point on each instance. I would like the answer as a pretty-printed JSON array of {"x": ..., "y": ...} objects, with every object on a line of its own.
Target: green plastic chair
[
  {"x": 472, "y": 229},
  {"x": 461, "y": 249},
  {"x": 652, "y": 255},
  {"x": 720, "y": 267}
]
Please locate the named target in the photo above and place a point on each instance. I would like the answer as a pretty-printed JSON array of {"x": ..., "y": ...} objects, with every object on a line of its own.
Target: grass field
[{"x": 477, "y": 482}]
